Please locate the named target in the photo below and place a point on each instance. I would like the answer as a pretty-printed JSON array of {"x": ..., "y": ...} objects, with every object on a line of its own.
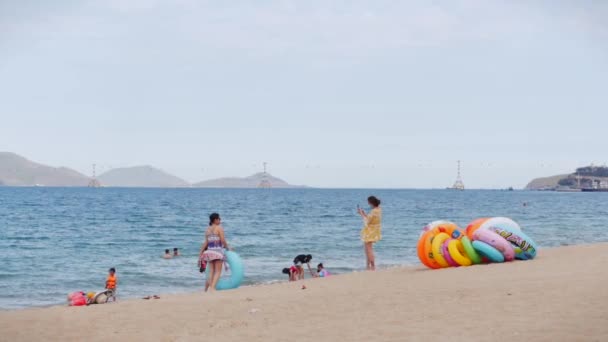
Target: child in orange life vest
[{"x": 111, "y": 283}]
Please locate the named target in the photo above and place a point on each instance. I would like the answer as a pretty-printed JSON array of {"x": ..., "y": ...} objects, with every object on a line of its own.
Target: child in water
[
  {"x": 321, "y": 271},
  {"x": 111, "y": 284},
  {"x": 292, "y": 272}
]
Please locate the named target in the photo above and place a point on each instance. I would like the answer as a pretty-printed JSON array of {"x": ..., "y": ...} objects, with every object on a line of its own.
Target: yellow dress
[{"x": 372, "y": 231}]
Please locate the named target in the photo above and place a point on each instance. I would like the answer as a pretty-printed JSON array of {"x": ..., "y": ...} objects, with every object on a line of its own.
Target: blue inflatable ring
[
  {"x": 488, "y": 251},
  {"x": 237, "y": 272},
  {"x": 525, "y": 247}
]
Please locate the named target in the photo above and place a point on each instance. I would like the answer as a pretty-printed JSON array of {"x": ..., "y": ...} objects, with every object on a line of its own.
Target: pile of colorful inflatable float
[{"x": 486, "y": 240}]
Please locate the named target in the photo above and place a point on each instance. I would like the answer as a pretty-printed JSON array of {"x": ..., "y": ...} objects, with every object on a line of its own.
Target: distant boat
[{"x": 510, "y": 188}]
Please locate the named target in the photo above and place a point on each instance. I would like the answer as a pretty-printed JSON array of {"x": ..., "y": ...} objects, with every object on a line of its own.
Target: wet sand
[{"x": 560, "y": 296}]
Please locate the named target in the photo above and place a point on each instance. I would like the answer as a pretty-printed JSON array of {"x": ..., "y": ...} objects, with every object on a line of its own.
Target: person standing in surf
[
  {"x": 212, "y": 250},
  {"x": 372, "y": 230}
]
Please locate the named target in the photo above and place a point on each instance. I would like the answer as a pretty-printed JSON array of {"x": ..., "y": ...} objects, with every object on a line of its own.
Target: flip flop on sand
[{"x": 150, "y": 297}]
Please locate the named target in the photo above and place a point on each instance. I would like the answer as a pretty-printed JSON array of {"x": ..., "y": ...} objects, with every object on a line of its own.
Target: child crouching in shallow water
[
  {"x": 292, "y": 272},
  {"x": 321, "y": 271}
]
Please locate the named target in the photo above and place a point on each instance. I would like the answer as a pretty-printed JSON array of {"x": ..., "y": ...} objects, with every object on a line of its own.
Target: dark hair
[
  {"x": 373, "y": 200},
  {"x": 213, "y": 217},
  {"x": 320, "y": 265},
  {"x": 113, "y": 270},
  {"x": 166, "y": 251},
  {"x": 286, "y": 270},
  {"x": 175, "y": 249}
]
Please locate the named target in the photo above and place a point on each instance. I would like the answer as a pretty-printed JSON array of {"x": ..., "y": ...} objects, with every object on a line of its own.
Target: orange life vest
[{"x": 111, "y": 282}]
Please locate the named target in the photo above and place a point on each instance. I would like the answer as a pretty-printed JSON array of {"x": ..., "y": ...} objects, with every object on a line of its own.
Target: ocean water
[{"x": 58, "y": 240}]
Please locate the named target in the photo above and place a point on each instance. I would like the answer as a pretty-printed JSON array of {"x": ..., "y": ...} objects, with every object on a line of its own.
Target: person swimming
[
  {"x": 176, "y": 252},
  {"x": 167, "y": 254}
]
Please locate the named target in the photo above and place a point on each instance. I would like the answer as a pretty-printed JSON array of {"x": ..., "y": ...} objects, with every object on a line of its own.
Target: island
[
  {"x": 140, "y": 177},
  {"x": 258, "y": 180},
  {"x": 16, "y": 170}
]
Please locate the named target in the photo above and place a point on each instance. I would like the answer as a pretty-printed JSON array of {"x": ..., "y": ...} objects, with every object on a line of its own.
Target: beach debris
[
  {"x": 249, "y": 299},
  {"x": 303, "y": 287},
  {"x": 254, "y": 311}
]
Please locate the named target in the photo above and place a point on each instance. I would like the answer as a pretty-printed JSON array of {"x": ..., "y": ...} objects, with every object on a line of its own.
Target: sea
[{"x": 54, "y": 241}]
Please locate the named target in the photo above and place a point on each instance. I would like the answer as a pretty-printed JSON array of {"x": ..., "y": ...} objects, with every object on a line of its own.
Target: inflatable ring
[
  {"x": 496, "y": 241},
  {"x": 446, "y": 254},
  {"x": 473, "y": 226},
  {"x": 237, "y": 272},
  {"x": 470, "y": 251},
  {"x": 436, "y": 247},
  {"x": 458, "y": 254},
  {"x": 501, "y": 222},
  {"x": 424, "y": 247},
  {"x": 525, "y": 247},
  {"x": 488, "y": 251}
]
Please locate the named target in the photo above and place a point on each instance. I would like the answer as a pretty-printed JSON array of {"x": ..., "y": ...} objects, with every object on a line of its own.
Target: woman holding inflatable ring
[{"x": 212, "y": 250}]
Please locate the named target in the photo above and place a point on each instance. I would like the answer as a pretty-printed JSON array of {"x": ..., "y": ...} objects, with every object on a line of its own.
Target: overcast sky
[{"x": 329, "y": 93}]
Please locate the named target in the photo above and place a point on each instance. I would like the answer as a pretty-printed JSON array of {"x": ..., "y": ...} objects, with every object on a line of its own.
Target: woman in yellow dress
[{"x": 372, "y": 230}]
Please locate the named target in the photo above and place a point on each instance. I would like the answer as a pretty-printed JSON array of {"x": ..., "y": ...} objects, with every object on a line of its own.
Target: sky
[{"x": 379, "y": 94}]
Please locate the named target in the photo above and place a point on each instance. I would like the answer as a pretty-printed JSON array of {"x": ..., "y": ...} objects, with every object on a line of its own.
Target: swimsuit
[
  {"x": 215, "y": 250},
  {"x": 301, "y": 259}
]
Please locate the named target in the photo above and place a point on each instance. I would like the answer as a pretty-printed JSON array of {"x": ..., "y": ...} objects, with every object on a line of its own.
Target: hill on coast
[
  {"x": 16, "y": 170},
  {"x": 583, "y": 177},
  {"x": 252, "y": 181},
  {"x": 545, "y": 182},
  {"x": 141, "y": 177}
]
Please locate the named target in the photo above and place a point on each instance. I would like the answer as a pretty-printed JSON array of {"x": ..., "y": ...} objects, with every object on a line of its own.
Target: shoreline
[
  {"x": 272, "y": 282},
  {"x": 559, "y": 296}
]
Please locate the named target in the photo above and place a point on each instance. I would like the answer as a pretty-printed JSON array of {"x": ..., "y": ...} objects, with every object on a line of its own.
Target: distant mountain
[
  {"x": 15, "y": 170},
  {"x": 253, "y": 181},
  {"x": 141, "y": 177}
]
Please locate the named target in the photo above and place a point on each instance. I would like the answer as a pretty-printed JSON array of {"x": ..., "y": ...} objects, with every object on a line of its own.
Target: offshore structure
[
  {"x": 265, "y": 183},
  {"x": 458, "y": 184},
  {"x": 94, "y": 183}
]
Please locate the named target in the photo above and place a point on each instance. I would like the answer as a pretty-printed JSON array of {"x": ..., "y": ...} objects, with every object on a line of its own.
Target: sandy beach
[{"x": 560, "y": 296}]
